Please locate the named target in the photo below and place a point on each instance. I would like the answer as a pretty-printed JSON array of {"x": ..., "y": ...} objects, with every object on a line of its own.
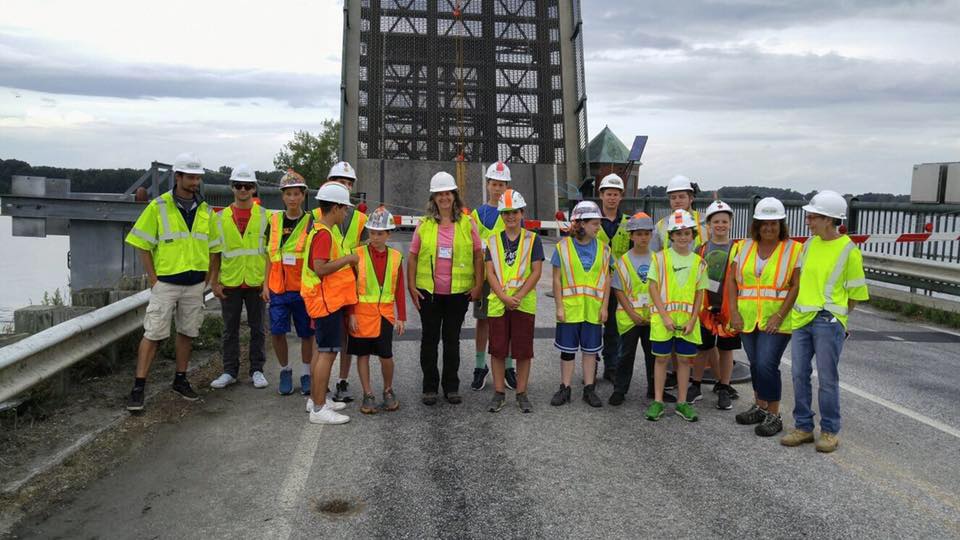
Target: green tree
[{"x": 311, "y": 155}]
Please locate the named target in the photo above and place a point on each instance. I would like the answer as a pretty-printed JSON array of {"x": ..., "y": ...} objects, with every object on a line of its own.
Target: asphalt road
[{"x": 247, "y": 463}]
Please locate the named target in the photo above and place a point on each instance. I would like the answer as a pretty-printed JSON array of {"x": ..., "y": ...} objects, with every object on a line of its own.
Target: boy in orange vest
[{"x": 380, "y": 307}]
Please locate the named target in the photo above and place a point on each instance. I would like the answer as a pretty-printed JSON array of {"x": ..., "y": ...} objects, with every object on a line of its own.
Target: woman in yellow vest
[
  {"x": 380, "y": 308},
  {"x": 676, "y": 281},
  {"x": 581, "y": 291},
  {"x": 761, "y": 289},
  {"x": 514, "y": 260},
  {"x": 831, "y": 284},
  {"x": 444, "y": 273}
]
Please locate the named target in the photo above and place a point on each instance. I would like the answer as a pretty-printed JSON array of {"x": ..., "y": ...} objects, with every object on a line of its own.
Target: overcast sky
[{"x": 847, "y": 94}]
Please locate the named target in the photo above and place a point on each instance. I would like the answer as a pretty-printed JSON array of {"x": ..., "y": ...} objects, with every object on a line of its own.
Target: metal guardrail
[{"x": 915, "y": 273}]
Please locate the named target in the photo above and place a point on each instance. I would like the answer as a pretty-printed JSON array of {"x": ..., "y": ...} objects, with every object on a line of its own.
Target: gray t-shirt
[{"x": 640, "y": 263}]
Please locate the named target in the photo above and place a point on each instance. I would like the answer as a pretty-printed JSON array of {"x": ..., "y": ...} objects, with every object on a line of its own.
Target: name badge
[
  {"x": 289, "y": 259},
  {"x": 445, "y": 253}
]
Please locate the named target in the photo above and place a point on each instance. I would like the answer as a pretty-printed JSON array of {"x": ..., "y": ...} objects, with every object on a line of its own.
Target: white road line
[
  {"x": 941, "y": 330},
  {"x": 895, "y": 338},
  {"x": 936, "y": 424},
  {"x": 292, "y": 489},
  {"x": 868, "y": 311}
]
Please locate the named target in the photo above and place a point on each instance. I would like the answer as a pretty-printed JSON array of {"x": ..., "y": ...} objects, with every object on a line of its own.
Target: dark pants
[
  {"x": 628, "y": 346},
  {"x": 611, "y": 339},
  {"x": 441, "y": 315},
  {"x": 232, "y": 306}
]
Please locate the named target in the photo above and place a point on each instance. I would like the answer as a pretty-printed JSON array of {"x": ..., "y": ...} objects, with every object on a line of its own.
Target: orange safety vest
[
  {"x": 375, "y": 299},
  {"x": 286, "y": 277},
  {"x": 325, "y": 295},
  {"x": 718, "y": 323}
]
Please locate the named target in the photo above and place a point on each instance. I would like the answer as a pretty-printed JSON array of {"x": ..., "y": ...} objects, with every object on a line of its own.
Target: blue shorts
[
  {"x": 681, "y": 346},
  {"x": 330, "y": 332},
  {"x": 282, "y": 308},
  {"x": 582, "y": 336}
]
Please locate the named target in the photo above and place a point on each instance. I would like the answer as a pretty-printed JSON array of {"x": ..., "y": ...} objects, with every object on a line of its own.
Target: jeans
[
  {"x": 441, "y": 315},
  {"x": 231, "y": 307},
  {"x": 628, "y": 348},
  {"x": 823, "y": 339},
  {"x": 611, "y": 339},
  {"x": 764, "y": 352}
]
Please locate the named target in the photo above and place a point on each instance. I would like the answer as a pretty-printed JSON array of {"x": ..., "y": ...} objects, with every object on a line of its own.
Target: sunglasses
[{"x": 243, "y": 187}]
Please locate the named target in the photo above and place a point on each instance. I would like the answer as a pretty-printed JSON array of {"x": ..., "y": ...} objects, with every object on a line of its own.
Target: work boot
[
  {"x": 561, "y": 396},
  {"x": 796, "y": 437},
  {"x": 828, "y": 442},
  {"x": 591, "y": 397}
]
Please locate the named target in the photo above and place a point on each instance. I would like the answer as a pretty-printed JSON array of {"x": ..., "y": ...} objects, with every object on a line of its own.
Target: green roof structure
[{"x": 606, "y": 147}]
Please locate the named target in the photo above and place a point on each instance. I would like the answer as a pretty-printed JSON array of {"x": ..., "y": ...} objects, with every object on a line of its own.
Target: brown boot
[
  {"x": 828, "y": 442},
  {"x": 797, "y": 437}
]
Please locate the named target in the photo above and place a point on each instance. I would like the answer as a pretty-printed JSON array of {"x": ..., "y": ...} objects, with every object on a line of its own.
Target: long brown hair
[
  {"x": 434, "y": 211},
  {"x": 757, "y": 223}
]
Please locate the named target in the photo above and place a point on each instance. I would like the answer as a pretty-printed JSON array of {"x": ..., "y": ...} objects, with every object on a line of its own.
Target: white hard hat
[
  {"x": 640, "y": 221},
  {"x": 380, "y": 220},
  {"x": 292, "y": 178},
  {"x": 442, "y": 181},
  {"x": 828, "y": 203},
  {"x": 769, "y": 209},
  {"x": 680, "y": 219},
  {"x": 334, "y": 192},
  {"x": 498, "y": 171},
  {"x": 187, "y": 163},
  {"x": 611, "y": 181},
  {"x": 342, "y": 169},
  {"x": 716, "y": 207},
  {"x": 243, "y": 173},
  {"x": 679, "y": 183},
  {"x": 511, "y": 200},
  {"x": 585, "y": 210}
]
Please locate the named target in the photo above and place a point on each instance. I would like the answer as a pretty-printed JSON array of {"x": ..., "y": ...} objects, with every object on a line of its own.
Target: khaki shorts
[{"x": 185, "y": 302}]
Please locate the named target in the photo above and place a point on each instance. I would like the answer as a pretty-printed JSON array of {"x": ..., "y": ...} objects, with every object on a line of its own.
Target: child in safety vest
[
  {"x": 681, "y": 192},
  {"x": 380, "y": 307},
  {"x": 629, "y": 286},
  {"x": 328, "y": 286},
  {"x": 581, "y": 289},
  {"x": 719, "y": 340},
  {"x": 676, "y": 282},
  {"x": 514, "y": 261}
]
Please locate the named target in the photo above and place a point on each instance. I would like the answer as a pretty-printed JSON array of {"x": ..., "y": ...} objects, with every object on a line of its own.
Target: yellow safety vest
[
  {"x": 462, "y": 279},
  {"x": 483, "y": 231},
  {"x": 637, "y": 291},
  {"x": 665, "y": 237},
  {"x": 582, "y": 290},
  {"x": 759, "y": 298},
  {"x": 374, "y": 300},
  {"x": 349, "y": 240},
  {"x": 821, "y": 287},
  {"x": 286, "y": 277},
  {"x": 162, "y": 231},
  {"x": 677, "y": 299},
  {"x": 512, "y": 277},
  {"x": 323, "y": 296},
  {"x": 620, "y": 243},
  {"x": 241, "y": 261}
]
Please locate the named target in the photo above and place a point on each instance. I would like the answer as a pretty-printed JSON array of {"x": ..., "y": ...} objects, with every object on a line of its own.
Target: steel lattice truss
[{"x": 511, "y": 98}]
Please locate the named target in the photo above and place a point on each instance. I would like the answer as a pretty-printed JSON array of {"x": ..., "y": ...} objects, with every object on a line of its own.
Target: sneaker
[
  {"x": 453, "y": 398},
  {"x": 591, "y": 397},
  {"x": 753, "y": 415},
  {"x": 335, "y": 405},
  {"x": 429, "y": 398},
  {"x": 827, "y": 442},
  {"x": 510, "y": 378},
  {"x": 135, "y": 403},
  {"x": 390, "y": 401},
  {"x": 223, "y": 381},
  {"x": 497, "y": 402},
  {"x": 654, "y": 411},
  {"x": 687, "y": 412},
  {"x": 616, "y": 398},
  {"x": 185, "y": 390},
  {"x": 796, "y": 437},
  {"x": 369, "y": 405},
  {"x": 733, "y": 392},
  {"x": 259, "y": 381},
  {"x": 343, "y": 393},
  {"x": 771, "y": 425},
  {"x": 524, "y": 403},
  {"x": 716, "y": 387},
  {"x": 693, "y": 393},
  {"x": 309, "y": 405},
  {"x": 479, "y": 378},
  {"x": 327, "y": 415},
  {"x": 286, "y": 382},
  {"x": 723, "y": 399},
  {"x": 305, "y": 385},
  {"x": 671, "y": 382},
  {"x": 561, "y": 396}
]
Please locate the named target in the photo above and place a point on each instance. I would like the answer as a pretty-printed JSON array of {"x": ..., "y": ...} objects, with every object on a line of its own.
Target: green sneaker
[
  {"x": 654, "y": 411},
  {"x": 687, "y": 412}
]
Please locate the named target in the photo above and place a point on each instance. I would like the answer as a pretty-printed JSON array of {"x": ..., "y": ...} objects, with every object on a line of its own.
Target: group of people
[{"x": 680, "y": 288}]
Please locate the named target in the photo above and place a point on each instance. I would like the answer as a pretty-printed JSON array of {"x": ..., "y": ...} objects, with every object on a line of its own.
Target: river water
[{"x": 28, "y": 268}]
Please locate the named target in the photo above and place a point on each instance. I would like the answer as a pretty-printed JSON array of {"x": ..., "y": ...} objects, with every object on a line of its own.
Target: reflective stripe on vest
[
  {"x": 677, "y": 300},
  {"x": 484, "y": 232},
  {"x": 175, "y": 249},
  {"x": 326, "y": 295},
  {"x": 582, "y": 290},
  {"x": 242, "y": 257},
  {"x": 760, "y": 297},
  {"x": 462, "y": 279},
  {"x": 349, "y": 240},
  {"x": 637, "y": 292},
  {"x": 284, "y": 278},
  {"x": 374, "y": 299},
  {"x": 511, "y": 277},
  {"x": 806, "y": 304}
]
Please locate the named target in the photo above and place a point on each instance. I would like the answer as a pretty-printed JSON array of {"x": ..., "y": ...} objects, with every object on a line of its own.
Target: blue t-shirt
[
  {"x": 586, "y": 252},
  {"x": 488, "y": 215}
]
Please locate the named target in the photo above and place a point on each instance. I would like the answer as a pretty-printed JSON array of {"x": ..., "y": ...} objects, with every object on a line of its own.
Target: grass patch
[{"x": 918, "y": 313}]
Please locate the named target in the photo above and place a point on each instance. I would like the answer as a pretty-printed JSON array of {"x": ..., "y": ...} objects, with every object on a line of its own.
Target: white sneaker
[
  {"x": 309, "y": 405},
  {"x": 336, "y": 405},
  {"x": 223, "y": 381},
  {"x": 259, "y": 381},
  {"x": 327, "y": 415}
]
